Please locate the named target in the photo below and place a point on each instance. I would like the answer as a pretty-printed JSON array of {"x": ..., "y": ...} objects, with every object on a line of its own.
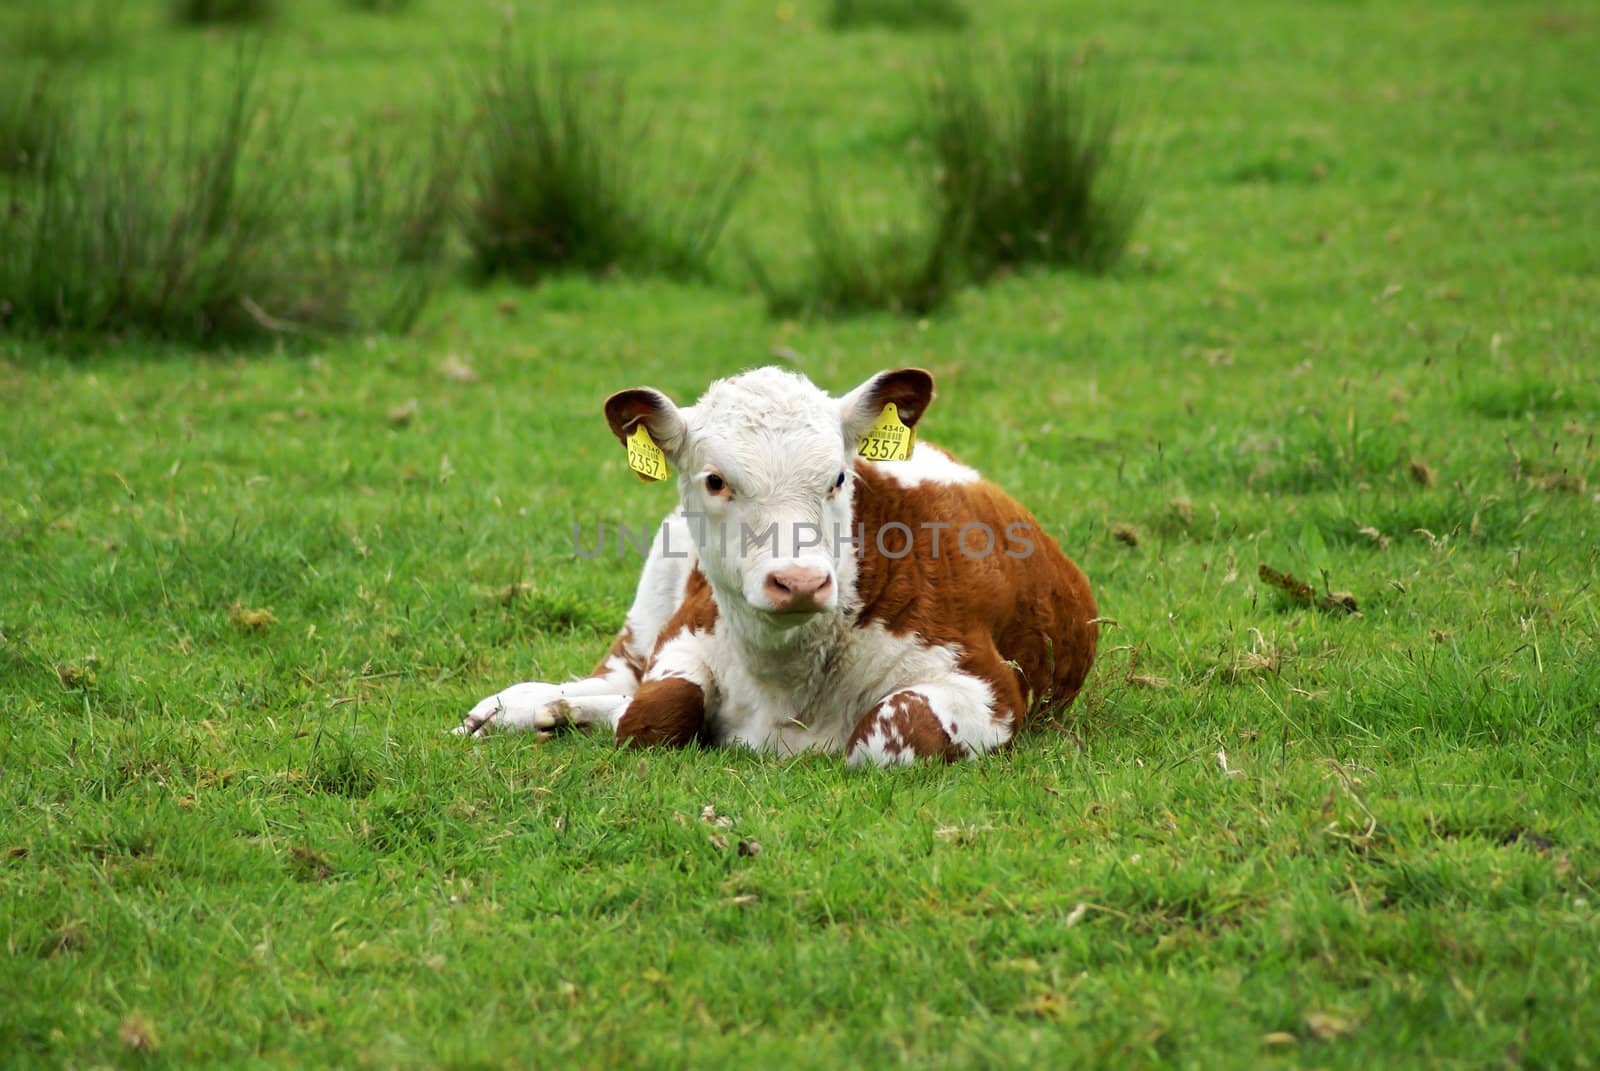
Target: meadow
[{"x": 249, "y": 580}]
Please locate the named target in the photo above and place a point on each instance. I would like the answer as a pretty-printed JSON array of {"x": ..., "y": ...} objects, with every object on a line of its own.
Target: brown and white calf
[{"x": 804, "y": 598}]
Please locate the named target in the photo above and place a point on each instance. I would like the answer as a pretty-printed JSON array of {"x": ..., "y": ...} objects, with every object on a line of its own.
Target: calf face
[{"x": 764, "y": 465}]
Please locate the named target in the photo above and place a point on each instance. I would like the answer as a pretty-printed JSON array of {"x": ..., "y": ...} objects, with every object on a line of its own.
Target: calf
[{"x": 804, "y": 597}]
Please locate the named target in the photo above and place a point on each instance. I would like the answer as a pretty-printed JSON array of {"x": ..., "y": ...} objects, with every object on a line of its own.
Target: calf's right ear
[{"x": 629, "y": 410}]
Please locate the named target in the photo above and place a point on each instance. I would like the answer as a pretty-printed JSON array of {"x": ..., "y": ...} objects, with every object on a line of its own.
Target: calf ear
[
  {"x": 910, "y": 389},
  {"x": 627, "y": 409}
]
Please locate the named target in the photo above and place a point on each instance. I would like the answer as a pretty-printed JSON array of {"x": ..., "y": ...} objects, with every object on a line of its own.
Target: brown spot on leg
[
  {"x": 621, "y": 648},
  {"x": 669, "y": 711},
  {"x": 696, "y": 613},
  {"x": 901, "y": 724}
]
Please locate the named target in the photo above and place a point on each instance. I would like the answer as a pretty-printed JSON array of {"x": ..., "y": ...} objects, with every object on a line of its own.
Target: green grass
[{"x": 1372, "y": 239}]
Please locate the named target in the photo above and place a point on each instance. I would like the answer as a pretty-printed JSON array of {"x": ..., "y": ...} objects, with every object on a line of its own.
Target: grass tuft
[
  {"x": 897, "y": 14},
  {"x": 212, "y": 12},
  {"x": 378, "y": 7},
  {"x": 564, "y": 181},
  {"x": 407, "y": 204},
  {"x": 33, "y": 118},
  {"x": 1026, "y": 175},
  {"x": 213, "y": 226},
  {"x": 1030, "y": 174},
  {"x": 70, "y": 30},
  {"x": 337, "y": 767},
  {"x": 905, "y": 268}
]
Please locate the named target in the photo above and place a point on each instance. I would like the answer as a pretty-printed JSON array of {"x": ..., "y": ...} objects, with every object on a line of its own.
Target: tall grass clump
[
  {"x": 214, "y": 225},
  {"x": 69, "y": 29},
  {"x": 403, "y": 207},
  {"x": 378, "y": 7},
  {"x": 897, "y": 14},
  {"x": 1025, "y": 170},
  {"x": 210, "y": 12},
  {"x": 563, "y": 179},
  {"x": 907, "y": 267},
  {"x": 413, "y": 201},
  {"x": 1031, "y": 172},
  {"x": 33, "y": 117}
]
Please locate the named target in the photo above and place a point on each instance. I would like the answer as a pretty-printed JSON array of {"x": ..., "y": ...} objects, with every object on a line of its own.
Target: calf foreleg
[
  {"x": 601, "y": 697},
  {"x": 597, "y": 699},
  {"x": 670, "y": 706}
]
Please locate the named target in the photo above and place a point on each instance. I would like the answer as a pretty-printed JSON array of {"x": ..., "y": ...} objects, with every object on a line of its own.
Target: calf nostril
[{"x": 816, "y": 583}]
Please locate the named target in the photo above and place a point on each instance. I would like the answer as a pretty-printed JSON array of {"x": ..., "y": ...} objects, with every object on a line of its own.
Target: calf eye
[
  {"x": 715, "y": 484},
  {"x": 839, "y": 482}
]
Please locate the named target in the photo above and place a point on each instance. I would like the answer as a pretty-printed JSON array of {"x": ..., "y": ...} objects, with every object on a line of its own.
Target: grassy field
[{"x": 245, "y": 591}]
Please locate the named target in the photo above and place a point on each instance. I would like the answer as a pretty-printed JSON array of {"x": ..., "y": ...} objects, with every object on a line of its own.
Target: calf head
[{"x": 765, "y": 477}]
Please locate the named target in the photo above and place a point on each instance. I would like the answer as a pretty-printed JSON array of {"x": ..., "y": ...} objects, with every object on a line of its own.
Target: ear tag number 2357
[
  {"x": 645, "y": 457},
  {"x": 889, "y": 439}
]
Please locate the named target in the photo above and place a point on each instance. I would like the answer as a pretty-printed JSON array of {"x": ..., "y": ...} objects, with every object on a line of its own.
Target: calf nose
[{"x": 797, "y": 589}]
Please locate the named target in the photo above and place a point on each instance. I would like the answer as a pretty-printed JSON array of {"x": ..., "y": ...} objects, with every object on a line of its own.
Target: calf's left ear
[{"x": 910, "y": 389}]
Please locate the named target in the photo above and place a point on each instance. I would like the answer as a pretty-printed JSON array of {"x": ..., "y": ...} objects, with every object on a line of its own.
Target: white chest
[{"x": 809, "y": 696}]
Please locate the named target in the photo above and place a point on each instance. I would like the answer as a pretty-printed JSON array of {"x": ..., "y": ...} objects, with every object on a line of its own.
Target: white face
[
  {"x": 765, "y": 482},
  {"x": 765, "y": 464}
]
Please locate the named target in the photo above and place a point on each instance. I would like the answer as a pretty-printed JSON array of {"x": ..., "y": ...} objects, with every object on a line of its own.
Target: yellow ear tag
[
  {"x": 645, "y": 457},
  {"x": 889, "y": 439}
]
